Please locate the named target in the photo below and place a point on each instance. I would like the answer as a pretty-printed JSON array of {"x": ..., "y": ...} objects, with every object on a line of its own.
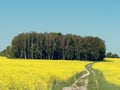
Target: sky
[{"x": 99, "y": 18}]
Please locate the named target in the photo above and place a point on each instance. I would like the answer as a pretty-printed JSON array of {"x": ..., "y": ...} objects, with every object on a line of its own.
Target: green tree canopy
[
  {"x": 112, "y": 55},
  {"x": 57, "y": 46}
]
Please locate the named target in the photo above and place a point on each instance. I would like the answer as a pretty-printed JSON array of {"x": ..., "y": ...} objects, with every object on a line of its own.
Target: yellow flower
[{"x": 23, "y": 74}]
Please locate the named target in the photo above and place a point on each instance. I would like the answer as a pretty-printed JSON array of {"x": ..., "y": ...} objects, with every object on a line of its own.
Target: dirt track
[{"x": 82, "y": 82}]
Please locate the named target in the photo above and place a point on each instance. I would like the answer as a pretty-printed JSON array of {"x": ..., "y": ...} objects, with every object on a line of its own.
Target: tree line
[
  {"x": 56, "y": 46},
  {"x": 111, "y": 55}
]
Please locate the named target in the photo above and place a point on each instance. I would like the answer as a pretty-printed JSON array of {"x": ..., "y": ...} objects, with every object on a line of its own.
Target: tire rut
[
  {"x": 94, "y": 75},
  {"x": 82, "y": 82}
]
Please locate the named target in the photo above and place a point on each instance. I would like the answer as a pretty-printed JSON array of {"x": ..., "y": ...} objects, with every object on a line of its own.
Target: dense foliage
[
  {"x": 111, "y": 55},
  {"x": 57, "y": 46}
]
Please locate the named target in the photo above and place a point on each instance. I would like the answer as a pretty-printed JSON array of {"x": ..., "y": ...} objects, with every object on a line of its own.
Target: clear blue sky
[{"x": 82, "y": 17}]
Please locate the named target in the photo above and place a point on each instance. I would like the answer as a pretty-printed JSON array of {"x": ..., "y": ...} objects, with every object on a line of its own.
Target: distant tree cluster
[
  {"x": 56, "y": 46},
  {"x": 7, "y": 52},
  {"x": 112, "y": 55}
]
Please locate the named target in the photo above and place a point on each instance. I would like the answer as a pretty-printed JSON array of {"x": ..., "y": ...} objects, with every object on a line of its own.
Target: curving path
[{"x": 82, "y": 82}]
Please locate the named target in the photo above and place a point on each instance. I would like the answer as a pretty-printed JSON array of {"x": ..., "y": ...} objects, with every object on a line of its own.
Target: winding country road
[{"x": 82, "y": 82}]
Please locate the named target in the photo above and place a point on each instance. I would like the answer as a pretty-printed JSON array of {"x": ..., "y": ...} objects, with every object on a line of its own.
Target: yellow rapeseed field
[
  {"x": 110, "y": 69},
  {"x": 36, "y": 74}
]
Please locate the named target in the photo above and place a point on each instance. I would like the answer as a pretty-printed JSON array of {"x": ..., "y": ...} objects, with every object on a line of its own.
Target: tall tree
[{"x": 57, "y": 46}]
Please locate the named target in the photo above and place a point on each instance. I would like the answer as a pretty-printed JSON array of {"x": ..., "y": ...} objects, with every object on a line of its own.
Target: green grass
[
  {"x": 58, "y": 85},
  {"x": 103, "y": 84}
]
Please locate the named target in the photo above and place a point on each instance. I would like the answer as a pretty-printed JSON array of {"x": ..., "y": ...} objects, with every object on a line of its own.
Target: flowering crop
[
  {"x": 21, "y": 74},
  {"x": 110, "y": 69}
]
